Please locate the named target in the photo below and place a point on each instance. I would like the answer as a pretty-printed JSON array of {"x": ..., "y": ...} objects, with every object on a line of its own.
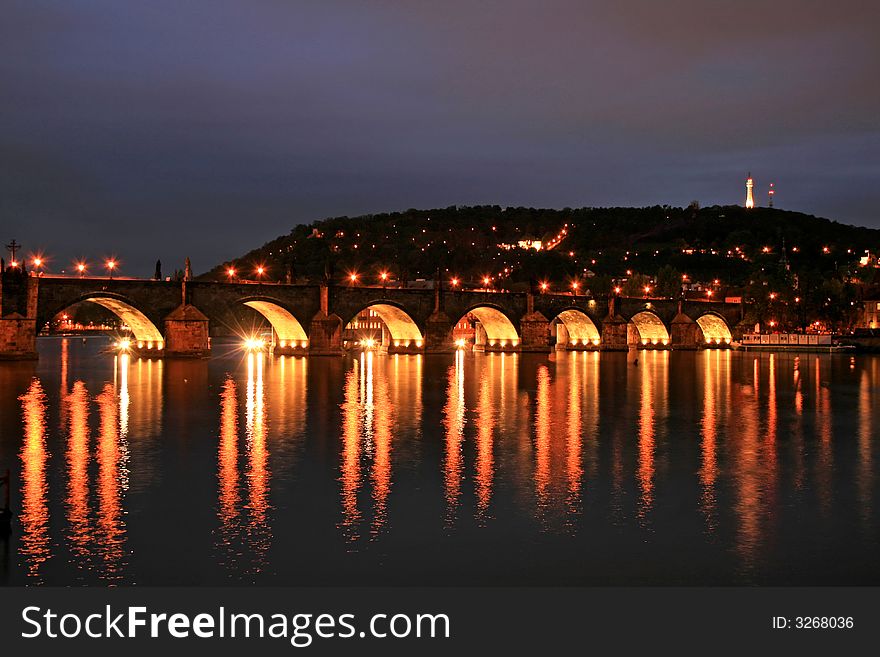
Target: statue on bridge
[{"x": 187, "y": 273}]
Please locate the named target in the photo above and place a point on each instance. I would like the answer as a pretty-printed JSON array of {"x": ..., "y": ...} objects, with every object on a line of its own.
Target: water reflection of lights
[
  {"x": 454, "y": 422},
  {"x": 257, "y": 472},
  {"x": 351, "y": 453},
  {"x": 34, "y": 546},
  {"x": 485, "y": 422},
  {"x": 77, "y": 502},
  {"x": 227, "y": 474},
  {"x": 709, "y": 433},
  {"x": 646, "y": 444},
  {"x": 368, "y": 416},
  {"x": 542, "y": 440}
]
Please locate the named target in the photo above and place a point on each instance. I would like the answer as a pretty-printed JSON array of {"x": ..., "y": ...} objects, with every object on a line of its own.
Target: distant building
[
  {"x": 525, "y": 243},
  {"x": 750, "y": 201},
  {"x": 872, "y": 312}
]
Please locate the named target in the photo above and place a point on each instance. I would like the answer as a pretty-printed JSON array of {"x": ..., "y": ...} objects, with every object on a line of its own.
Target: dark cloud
[{"x": 166, "y": 129}]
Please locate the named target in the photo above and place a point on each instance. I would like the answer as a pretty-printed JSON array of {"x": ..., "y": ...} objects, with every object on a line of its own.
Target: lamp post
[{"x": 111, "y": 265}]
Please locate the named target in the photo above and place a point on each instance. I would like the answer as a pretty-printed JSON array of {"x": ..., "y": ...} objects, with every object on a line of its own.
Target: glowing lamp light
[
  {"x": 13, "y": 263},
  {"x": 38, "y": 262},
  {"x": 454, "y": 282},
  {"x": 486, "y": 280},
  {"x": 124, "y": 344},
  {"x": 644, "y": 342},
  {"x": 665, "y": 342},
  {"x": 513, "y": 343},
  {"x": 81, "y": 268},
  {"x": 260, "y": 270},
  {"x": 727, "y": 340},
  {"x": 369, "y": 343},
  {"x": 160, "y": 345},
  {"x": 544, "y": 287},
  {"x": 418, "y": 343},
  {"x": 595, "y": 342},
  {"x": 304, "y": 344},
  {"x": 491, "y": 343},
  {"x": 140, "y": 345},
  {"x": 460, "y": 343},
  {"x": 230, "y": 272},
  {"x": 282, "y": 344},
  {"x": 384, "y": 275},
  {"x": 253, "y": 344},
  {"x": 397, "y": 343},
  {"x": 617, "y": 290},
  {"x": 353, "y": 278}
]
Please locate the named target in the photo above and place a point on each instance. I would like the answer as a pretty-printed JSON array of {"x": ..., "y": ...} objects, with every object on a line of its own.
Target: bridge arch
[
  {"x": 287, "y": 328},
  {"x": 578, "y": 329},
  {"x": 402, "y": 328},
  {"x": 142, "y": 327},
  {"x": 714, "y": 329},
  {"x": 496, "y": 328},
  {"x": 647, "y": 329}
]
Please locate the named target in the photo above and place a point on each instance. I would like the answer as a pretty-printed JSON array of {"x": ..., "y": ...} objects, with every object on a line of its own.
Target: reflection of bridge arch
[
  {"x": 646, "y": 328},
  {"x": 715, "y": 330},
  {"x": 574, "y": 327},
  {"x": 402, "y": 328},
  {"x": 142, "y": 328},
  {"x": 286, "y": 326},
  {"x": 496, "y": 326}
]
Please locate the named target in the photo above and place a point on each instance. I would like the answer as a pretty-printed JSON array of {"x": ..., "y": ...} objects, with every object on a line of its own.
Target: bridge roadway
[{"x": 177, "y": 318}]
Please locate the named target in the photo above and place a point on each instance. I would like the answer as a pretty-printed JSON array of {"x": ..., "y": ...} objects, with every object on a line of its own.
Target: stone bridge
[{"x": 178, "y": 318}]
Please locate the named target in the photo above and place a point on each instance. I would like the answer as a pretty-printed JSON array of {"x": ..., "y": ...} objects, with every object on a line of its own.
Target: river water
[{"x": 692, "y": 468}]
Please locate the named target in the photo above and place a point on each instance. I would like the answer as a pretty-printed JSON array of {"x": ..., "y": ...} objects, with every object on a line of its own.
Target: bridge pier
[
  {"x": 18, "y": 338},
  {"x": 684, "y": 333},
  {"x": 325, "y": 330},
  {"x": 18, "y": 311},
  {"x": 534, "y": 331},
  {"x": 615, "y": 334},
  {"x": 186, "y": 333},
  {"x": 438, "y": 333}
]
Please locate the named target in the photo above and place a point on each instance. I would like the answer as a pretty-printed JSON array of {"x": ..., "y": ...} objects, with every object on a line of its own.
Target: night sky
[{"x": 205, "y": 128}]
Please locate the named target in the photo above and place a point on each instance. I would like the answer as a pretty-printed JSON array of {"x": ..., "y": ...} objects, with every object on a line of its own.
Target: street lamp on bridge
[{"x": 111, "y": 265}]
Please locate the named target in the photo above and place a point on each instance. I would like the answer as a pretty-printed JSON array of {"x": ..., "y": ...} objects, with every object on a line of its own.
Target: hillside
[{"x": 607, "y": 242}]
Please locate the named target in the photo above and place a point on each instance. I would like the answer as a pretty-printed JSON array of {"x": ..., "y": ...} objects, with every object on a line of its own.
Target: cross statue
[{"x": 12, "y": 247}]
